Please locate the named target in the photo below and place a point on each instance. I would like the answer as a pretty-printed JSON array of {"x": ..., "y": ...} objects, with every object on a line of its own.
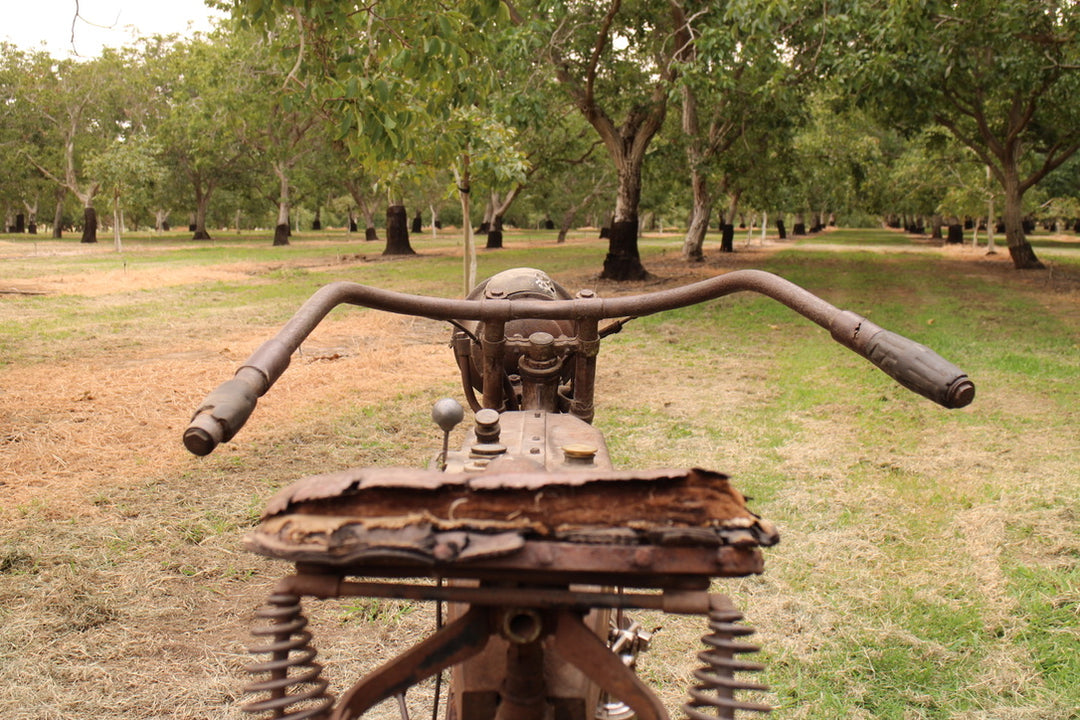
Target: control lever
[{"x": 447, "y": 413}]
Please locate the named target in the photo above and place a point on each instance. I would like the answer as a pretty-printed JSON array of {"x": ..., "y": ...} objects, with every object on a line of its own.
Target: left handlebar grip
[{"x": 224, "y": 411}]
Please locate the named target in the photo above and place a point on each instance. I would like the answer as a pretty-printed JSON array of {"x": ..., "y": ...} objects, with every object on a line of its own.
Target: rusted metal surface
[
  {"x": 535, "y": 647},
  {"x": 534, "y": 440},
  {"x": 535, "y": 561},
  {"x": 683, "y": 601},
  {"x": 524, "y": 632},
  {"x": 580, "y": 646},
  {"x": 453, "y": 644}
]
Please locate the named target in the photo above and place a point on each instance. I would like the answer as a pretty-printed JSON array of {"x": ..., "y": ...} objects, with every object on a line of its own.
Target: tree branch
[
  {"x": 1055, "y": 156},
  {"x": 292, "y": 76},
  {"x": 598, "y": 49}
]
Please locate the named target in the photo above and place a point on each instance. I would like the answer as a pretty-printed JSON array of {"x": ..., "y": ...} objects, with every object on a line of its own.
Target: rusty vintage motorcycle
[{"x": 534, "y": 542}]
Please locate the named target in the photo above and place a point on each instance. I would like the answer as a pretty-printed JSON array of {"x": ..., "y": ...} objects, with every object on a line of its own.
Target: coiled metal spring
[
  {"x": 293, "y": 684},
  {"x": 717, "y": 683}
]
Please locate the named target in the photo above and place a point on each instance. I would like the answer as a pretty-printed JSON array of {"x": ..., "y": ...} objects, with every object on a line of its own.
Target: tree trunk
[
  {"x": 281, "y": 234},
  {"x": 435, "y": 223},
  {"x": 316, "y": 222},
  {"x": 366, "y": 209},
  {"x": 118, "y": 221},
  {"x": 397, "y": 232},
  {"x": 1023, "y": 255},
  {"x": 463, "y": 180},
  {"x": 489, "y": 213},
  {"x": 370, "y": 234},
  {"x": 417, "y": 223},
  {"x": 31, "y": 211},
  {"x": 780, "y": 229},
  {"x": 727, "y": 238},
  {"x": 284, "y": 204},
  {"x": 623, "y": 262},
  {"x": 566, "y": 223},
  {"x": 936, "y": 224},
  {"x": 694, "y": 242},
  {"x": 58, "y": 214},
  {"x": 90, "y": 223},
  {"x": 495, "y": 234},
  {"x": 202, "y": 204}
]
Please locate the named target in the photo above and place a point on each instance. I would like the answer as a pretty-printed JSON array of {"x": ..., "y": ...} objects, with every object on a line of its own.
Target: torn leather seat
[{"x": 579, "y": 524}]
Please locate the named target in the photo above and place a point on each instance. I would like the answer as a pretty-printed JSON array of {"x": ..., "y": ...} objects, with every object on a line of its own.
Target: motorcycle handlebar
[{"x": 913, "y": 365}]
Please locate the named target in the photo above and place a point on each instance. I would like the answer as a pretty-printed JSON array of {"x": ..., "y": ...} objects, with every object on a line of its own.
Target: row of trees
[{"x": 558, "y": 107}]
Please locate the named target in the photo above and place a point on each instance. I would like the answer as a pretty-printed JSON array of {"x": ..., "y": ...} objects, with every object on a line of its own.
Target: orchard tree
[
  {"x": 129, "y": 172},
  {"x": 1001, "y": 75},
  {"x": 206, "y": 99},
  {"x": 407, "y": 83},
  {"x": 79, "y": 105},
  {"x": 1062, "y": 187},
  {"x": 914, "y": 182},
  {"x": 574, "y": 180},
  {"x": 837, "y": 152},
  {"x": 549, "y": 132},
  {"x": 278, "y": 125},
  {"x": 732, "y": 80},
  {"x": 618, "y": 63},
  {"x": 19, "y": 132}
]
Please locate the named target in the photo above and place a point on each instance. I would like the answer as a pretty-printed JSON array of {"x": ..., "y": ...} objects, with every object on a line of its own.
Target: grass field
[{"x": 930, "y": 560}]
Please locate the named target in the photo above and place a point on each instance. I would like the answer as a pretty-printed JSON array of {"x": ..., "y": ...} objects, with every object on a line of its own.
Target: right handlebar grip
[
  {"x": 224, "y": 411},
  {"x": 913, "y": 365}
]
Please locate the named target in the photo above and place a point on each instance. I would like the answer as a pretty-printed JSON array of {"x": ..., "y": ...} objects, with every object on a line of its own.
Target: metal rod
[
  {"x": 687, "y": 602},
  {"x": 330, "y": 296}
]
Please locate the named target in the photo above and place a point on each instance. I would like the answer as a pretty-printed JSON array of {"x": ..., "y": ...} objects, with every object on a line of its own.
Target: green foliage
[
  {"x": 800, "y": 107},
  {"x": 993, "y": 72},
  {"x": 394, "y": 80}
]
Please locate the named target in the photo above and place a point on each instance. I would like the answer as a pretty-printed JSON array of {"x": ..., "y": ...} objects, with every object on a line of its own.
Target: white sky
[{"x": 30, "y": 24}]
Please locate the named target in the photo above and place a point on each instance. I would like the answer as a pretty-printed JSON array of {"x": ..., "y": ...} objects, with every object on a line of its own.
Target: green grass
[
  {"x": 930, "y": 561},
  {"x": 865, "y": 236}
]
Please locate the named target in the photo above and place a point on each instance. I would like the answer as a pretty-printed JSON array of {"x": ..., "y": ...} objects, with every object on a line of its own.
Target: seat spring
[
  {"x": 714, "y": 694},
  {"x": 289, "y": 680}
]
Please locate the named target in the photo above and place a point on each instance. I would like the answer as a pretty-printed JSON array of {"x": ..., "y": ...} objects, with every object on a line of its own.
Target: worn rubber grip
[
  {"x": 913, "y": 365},
  {"x": 224, "y": 411}
]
